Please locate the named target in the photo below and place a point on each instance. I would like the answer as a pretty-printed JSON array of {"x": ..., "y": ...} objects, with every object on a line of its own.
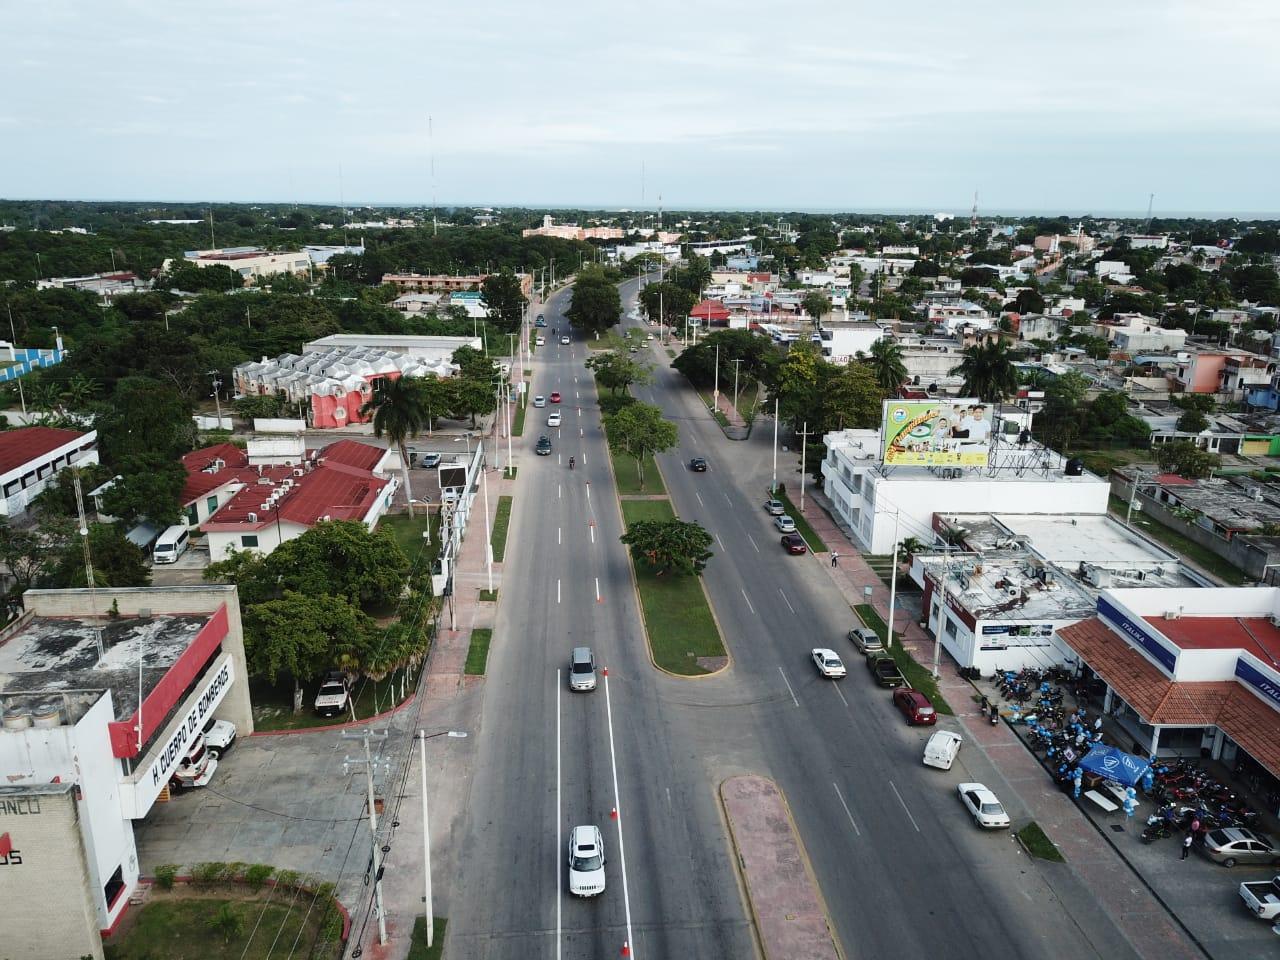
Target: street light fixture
[{"x": 422, "y": 739}]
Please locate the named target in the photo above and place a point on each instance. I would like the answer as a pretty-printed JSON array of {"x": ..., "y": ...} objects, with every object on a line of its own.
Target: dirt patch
[{"x": 712, "y": 664}]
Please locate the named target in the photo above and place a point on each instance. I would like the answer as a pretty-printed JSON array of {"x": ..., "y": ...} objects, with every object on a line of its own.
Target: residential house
[{"x": 31, "y": 457}]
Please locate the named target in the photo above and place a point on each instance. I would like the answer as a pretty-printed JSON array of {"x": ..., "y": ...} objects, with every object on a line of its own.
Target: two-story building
[{"x": 31, "y": 457}]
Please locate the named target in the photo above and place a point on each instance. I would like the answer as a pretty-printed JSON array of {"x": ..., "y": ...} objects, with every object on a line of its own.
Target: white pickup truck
[
  {"x": 1262, "y": 897},
  {"x": 333, "y": 696}
]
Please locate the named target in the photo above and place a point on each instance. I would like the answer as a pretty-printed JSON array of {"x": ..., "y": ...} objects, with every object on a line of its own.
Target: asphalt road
[{"x": 902, "y": 870}]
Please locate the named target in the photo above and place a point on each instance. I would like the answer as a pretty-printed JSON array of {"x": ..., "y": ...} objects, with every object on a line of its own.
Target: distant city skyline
[{"x": 710, "y": 105}]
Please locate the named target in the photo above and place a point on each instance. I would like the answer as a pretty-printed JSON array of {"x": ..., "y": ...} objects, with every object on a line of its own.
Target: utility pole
[
  {"x": 347, "y": 762},
  {"x": 893, "y": 582},
  {"x": 804, "y": 444},
  {"x": 488, "y": 534},
  {"x": 715, "y": 394},
  {"x": 942, "y": 616},
  {"x": 217, "y": 384},
  {"x": 1133, "y": 496},
  {"x": 773, "y": 487},
  {"x": 736, "y": 368}
]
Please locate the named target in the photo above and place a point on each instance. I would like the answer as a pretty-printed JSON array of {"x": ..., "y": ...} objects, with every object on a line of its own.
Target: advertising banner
[{"x": 936, "y": 433}]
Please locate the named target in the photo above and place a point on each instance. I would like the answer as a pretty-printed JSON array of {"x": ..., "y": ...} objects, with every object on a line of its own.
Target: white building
[
  {"x": 30, "y": 458},
  {"x": 841, "y": 342},
  {"x": 99, "y": 712},
  {"x": 250, "y": 262},
  {"x": 868, "y": 497},
  {"x": 431, "y": 351}
]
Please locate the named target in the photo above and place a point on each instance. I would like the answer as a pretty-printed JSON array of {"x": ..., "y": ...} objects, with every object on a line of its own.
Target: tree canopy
[
  {"x": 668, "y": 545},
  {"x": 641, "y": 430},
  {"x": 596, "y": 304},
  {"x": 616, "y": 370}
]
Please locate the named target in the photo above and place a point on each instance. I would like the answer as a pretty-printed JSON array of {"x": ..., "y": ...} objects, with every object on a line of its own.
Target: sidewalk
[{"x": 1096, "y": 861}]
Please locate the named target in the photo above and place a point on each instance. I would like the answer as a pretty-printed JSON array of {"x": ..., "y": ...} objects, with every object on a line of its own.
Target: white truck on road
[{"x": 1262, "y": 897}]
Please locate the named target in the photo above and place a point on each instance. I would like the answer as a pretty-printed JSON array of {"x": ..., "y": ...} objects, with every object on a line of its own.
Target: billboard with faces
[{"x": 936, "y": 433}]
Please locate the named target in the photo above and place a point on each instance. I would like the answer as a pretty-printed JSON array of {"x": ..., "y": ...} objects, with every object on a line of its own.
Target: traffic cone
[
  {"x": 606, "y": 671},
  {"x": 626, "y": 948},
  {"x": 613, "y": 813}
]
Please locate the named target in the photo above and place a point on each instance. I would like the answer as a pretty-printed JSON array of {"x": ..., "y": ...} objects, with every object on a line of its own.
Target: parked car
[
  {"x": 774, "y": 508},
  {"x": 586, "y": 861},
  {"x": 429, "y": 461},
  {"x": 1262, "y": 898},
  {"x": 941, "y": 750},
  {"x": 1231, "y": 845},
  {"x": 885, "y": 671},
  {"x": 915, "y": 707},
  {"x": 543, "y": 447},
  {"x": 828, "y": 663},
  {"x": 539, "y": 401},
  {"x": 195, "y": 770},
  {"x": 219, "y": 737},
  {"x": 333, "y": 696},
  {"x": 793, "y": 543},
  {"x": 865, "y": 640},
  {"x": 555, "y": 396},
  {"x": 554, "y": 419},
  {"x": 582, "y": 669},
  {"x": 698, "y": 465},
  {"x": 784, "y": 524},
  {"x": 983, "y": 806}
]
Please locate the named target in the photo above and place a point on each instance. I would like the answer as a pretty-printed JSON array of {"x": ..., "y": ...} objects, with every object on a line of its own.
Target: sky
[{"x": 1081, "y": 107}]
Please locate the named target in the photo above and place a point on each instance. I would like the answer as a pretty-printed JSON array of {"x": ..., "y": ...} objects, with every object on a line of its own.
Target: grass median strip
[
  {"x": 501, "y": 523},
  {"x": 917, "y": 676},
  {"x": 517, "y": 422},
  {"x": 677, "y": 616},
  {"x": 418, "y": 944},
  {"x": 815, "y": 542},
  {"x": 1038, "y": 844},
  {"x": 627, "y": 477},
  {"x": 478, "y": 652}
]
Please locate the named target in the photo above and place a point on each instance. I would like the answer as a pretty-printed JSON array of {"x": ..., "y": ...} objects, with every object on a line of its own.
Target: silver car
[
  {"x": 582, "y": 669},
  {"x": 865, "y": 640},
  {"x": 774, "y": 508},
  {"x": 784, "y": 524},
  {"x": 1231, "y": 845}
]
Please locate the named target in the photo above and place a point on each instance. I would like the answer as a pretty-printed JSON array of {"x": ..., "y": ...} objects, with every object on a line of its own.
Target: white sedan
[
  {"x": 554, "y": 419},
  {"x": 828, "y": 663},
  {"x": 784, "y": 524},
  {"x": 983, "y": 806},
  {"x": 565, "y": 341},
  {"x": 539, "y": 401}
]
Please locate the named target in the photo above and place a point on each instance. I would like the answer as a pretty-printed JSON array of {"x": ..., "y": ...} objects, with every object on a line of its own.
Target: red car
[
  {"x": 793, "y": 543},
  {"x": 915, "y": 706},
  {"x": 555, "y": 397}
]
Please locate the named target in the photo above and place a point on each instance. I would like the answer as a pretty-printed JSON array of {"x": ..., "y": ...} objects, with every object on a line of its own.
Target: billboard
[{"x": 936, "y": 433}]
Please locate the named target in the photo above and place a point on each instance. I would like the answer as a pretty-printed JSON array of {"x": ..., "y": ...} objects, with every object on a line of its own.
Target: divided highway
[{"x": 902, "y": 870}]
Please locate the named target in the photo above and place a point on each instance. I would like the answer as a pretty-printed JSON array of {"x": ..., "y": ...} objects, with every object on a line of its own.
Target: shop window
[
  {"x": 249, "y": 540},
  {"x": 113, "y": 888},
  {"x": 951, "y": 627}
]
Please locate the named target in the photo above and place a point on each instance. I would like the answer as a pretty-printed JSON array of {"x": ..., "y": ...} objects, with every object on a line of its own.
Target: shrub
[
  {"x": 208, "y": 872},
  {"x": 165, "y": 875},
  {"x": 226, "y": 922},
  {"x": 258, "y": 874}
]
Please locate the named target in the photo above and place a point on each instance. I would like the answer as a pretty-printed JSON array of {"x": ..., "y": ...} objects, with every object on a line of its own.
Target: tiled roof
[
  {"x": 21, "y": 446},
  {"x": 353, "y": 453},
  {"x": 197, "y": 462},
  {"x": 1161, "y": 701},
  {"x": 228, "y": 453},
  {"x": 338, "y": 490}
]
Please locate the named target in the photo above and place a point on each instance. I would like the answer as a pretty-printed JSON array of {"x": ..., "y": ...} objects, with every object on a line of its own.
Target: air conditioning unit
[
  {"x": 253, "y": 517},
  {"x": 1172, "y": 614},
  {"x": 298, "y": 471},
  {"x": 264, "y": 507}
]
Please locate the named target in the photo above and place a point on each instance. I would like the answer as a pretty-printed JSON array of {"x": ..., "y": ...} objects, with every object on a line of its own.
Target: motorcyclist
[{"x": 571, "y": 463}]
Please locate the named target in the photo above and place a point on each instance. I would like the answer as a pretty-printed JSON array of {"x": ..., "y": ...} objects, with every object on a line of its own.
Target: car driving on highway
[
  {"x": 586, "y": 861},
  {"x": 698, "y": 465},
  {"x": 539, "y": 401},
  {"x": 554, "y": 419},
  {"x": 543, "y": 448},
  {"x": 828, "y": 663}
]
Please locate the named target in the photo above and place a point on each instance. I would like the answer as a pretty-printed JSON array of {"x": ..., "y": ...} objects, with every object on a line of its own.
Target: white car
[
  {"x": 219, "y": 737},
  {"x": 540, "y": 341},
  {"x": 333, "y": 696},
  {"x": 941, "y": 749},
  {"x": 784, "y": 524},
  {"x": 565, "y": 341},
  {"x": 586, "y": 862},
  {"x": 828, "y": 663},
  {"x": 539, "y": 401},
  {"x": 554, "y": 419},
  {"x": 983, "y": 806}
]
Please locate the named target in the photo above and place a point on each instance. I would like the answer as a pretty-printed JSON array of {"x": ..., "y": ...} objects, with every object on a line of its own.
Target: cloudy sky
[{"x": 1087, "y": 106}]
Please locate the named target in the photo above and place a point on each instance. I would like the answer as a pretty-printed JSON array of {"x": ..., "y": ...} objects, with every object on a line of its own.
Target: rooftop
[
  {"x": 19, "y": 447},
  {"x": 46, "y": 658},
  {"x": 335, "y": 491},
  {"x": 1012, "y": 585},
  {"x": 1258, "y": 635}
]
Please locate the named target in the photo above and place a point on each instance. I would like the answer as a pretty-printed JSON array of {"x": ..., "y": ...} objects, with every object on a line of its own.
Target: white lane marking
[
  {"x": 699, "y": 496},
  {"x": 558, "y": 460},
  {"x": 597, "y": 589},
  {"x": 559, "y": 491},
  {"x": 727, "y": 500},
  {"x": 753, "y": 542},
  {"x": 575, "y": 379},
  {"x": 557, "y": 591},
  {"x": 575, "y": 395},
  {"x": 840, "y": 694},
  {"x": 584, "y": 458},
  {"x": 719, "y": 541},
  {"x": 904, "y": 806},
  {"x": 558, "y": 540},
  {"x": 588, "y": 489},
  {"x": 788, "y": 683},
  {"x": 580, "y": 433},
  {"x": 617, "y": 806},
  {"x": 748, "y": 599},
  {"x": 559, "y": 826},
  {"x": 847, "y": 811},
  {"x": 694, "y": 438},
  {"x": 592, "y": 528},
  {"x": 788, "y": 602}
]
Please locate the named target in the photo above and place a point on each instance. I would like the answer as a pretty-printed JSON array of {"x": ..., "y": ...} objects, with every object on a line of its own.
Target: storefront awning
[
  {"x": 1123, "y": 768},
  {"x": 1160, "y": 701}
]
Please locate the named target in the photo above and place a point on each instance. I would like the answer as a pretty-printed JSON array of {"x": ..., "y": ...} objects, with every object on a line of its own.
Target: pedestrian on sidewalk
[
  {"x": 1186, "y": 845},
  {"x": 835, "y": 559}
]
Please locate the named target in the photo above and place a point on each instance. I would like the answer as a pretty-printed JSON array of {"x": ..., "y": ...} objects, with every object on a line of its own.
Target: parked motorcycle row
[{"x": 1188, "y": 797}]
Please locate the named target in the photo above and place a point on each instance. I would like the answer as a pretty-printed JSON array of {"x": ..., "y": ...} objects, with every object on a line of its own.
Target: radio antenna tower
[
  {"x": 1151, "y": 199},
  {"x": 973, "y": 217}
]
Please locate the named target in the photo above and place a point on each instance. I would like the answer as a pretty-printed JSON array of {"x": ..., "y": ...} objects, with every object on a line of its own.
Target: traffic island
[{"x": 787, "y": 909}]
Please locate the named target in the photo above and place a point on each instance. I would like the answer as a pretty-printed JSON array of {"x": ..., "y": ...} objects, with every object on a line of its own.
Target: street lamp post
[
  {"x": 773, "y": 488},
  {"x": 217, "y": 399},
  {"x": 488, "y": 534},
  {"x": 736, "y": 367},
  {"x": 422, "y": 739}
]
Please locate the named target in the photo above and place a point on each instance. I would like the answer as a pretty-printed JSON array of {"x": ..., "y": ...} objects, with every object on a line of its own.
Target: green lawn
[
  {"x": 418, "y": 945},
  {"x": 501, "y": 523},
  {"x": 478, "y": 652},
  {"x": 814, "y": 541},
  {"x": 178, "y": 929},
  {"x": 1102, "y": 462},
  {"x": 1038, "y": 844},
  {"x": 488, "y": 596},
  {"x": 917, "y": 676},
  {"x": 677, "y": 617},
  {"x": 408, "y": 532},
  {"x": 273, "y": 703},
  {"x": 1201, "y": 556},
  {"x": 628, "y": 477},
  {"x": 608, "y": 341},
  {"x": 517, "y": 422}
]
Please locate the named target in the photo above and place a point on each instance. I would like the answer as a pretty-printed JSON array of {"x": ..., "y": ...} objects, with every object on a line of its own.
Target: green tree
[
  {"x": 797, "y": 385},
  {"x": 698, "y": 361},
  {"x": 641, "y": 430},
  {"x": 816, "y": 305},
  {"x": 226, "y": 921},
  {"x": 925, "y": 268},
  {"x": 116, "y": 561},
  {"x": 851, "y": 397},
  {"x": 596, "y": 304},
  {"x": 79, "y": 391},
  {"x": 145, "y": 416},
  {"x": 302, "y": 635},
  {"x": 988, "y": 371},
  {"x": 148, "y": 486},
  {"x": 59, "y": 498},
  {"x": 474, "y": 365},
  {"x": 885, "y": 362},
  {"x": 668, "y": 545},
  {"x": 1186, "y": 459},
  {"x": 617, "y": 371},
  {"x": 1064, "y": 407},
  {"x": 29, "y": 554},
  {"x": 667, "y": 303},
  {"x": 1192, "y": 421},
  {"x": 399, "y": 409}
]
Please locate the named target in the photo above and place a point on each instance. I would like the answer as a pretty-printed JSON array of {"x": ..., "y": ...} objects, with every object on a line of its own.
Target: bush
[
  {"x": 166, "y": 873},
  {"x": 208, "y": 872},
  {"x": 258, "y": 874},
  {"x": 226, "y": 922}
]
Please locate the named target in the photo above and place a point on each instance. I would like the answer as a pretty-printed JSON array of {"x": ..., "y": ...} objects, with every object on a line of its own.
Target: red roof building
[
  {"x": 710, "y": 311},
  {"x": 30, "y": 457}
]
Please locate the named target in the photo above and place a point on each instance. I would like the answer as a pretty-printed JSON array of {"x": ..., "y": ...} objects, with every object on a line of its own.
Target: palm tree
[
  {"x": 988, "y": 372},
  {"x": 45, "y": 396},
  {"x": 79, "y": 390},
  {"x": 399, "y": 412},
  {"x": 885, "y": 361}
]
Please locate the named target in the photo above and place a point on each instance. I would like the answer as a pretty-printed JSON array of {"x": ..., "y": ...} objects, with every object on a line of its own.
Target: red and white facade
[{"x": 31, "y": 457}]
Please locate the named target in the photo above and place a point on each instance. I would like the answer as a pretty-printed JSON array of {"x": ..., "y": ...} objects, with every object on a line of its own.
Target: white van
[
  {"x": 941, "y": 749},
  {"x": 172, "y": 544}
]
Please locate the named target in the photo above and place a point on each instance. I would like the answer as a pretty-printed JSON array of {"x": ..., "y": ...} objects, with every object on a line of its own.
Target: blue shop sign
[
  {"x": 1138, "y": 633},
  {"x": 1258, "y": 680}
]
